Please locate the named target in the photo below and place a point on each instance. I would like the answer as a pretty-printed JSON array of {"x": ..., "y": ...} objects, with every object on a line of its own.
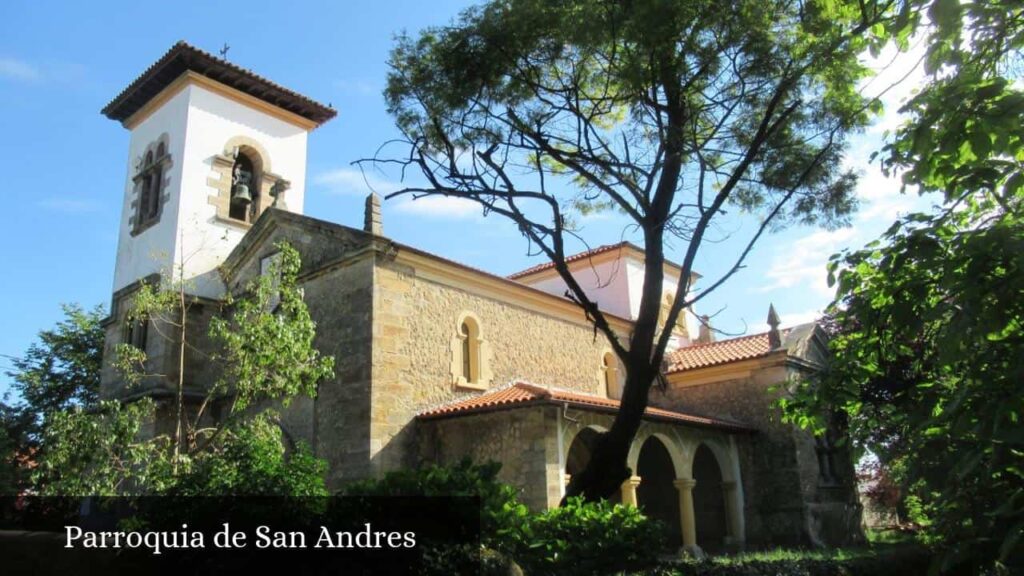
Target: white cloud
[
  {"x": 441, "y": 207},
  {"x": 354, "y": 181},
  {"x": 802, "y": 263},
  {"x": 15, "y": 69}
]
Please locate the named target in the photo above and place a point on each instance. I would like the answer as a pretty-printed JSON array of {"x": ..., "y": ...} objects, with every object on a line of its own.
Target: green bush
[
  {"x": 589, "y": 538},
  {"x": 250, "y": 459},
  {"x": 501, "y": 514},
  {"x": 579, "y": 538}
]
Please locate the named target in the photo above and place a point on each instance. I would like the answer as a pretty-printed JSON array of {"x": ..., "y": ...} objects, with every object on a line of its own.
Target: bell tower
[{"x": 212, "y": 146}]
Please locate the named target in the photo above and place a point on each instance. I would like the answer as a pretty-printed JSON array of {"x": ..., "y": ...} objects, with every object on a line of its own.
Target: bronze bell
[{"x": 240, "y": 194}]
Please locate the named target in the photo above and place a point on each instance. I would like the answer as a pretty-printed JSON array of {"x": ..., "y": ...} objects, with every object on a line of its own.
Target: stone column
[
  {"x": 732, "y": 535},
  {"x": 629, "y": 490},
  {"x": 568, "y": 478},
  {"x": 686, "y": 518}
]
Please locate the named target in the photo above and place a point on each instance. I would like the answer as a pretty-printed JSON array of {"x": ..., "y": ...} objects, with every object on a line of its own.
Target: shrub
[
  {"x": 501, "y": 514},
  {"x": 589, "y": 538},
  {"x": 250, "y": 459},
  {"x": 579, "y": 538}
]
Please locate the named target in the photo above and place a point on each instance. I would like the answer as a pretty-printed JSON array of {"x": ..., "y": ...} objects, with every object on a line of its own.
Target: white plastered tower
[{"x": 192, "y": 116}]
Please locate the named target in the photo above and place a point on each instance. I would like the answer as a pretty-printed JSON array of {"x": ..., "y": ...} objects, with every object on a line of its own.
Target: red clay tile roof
[
  {"x": 522, "y": 394},
  {"x": 182, "y": 57},
  {"x": 715, "y": 353}
]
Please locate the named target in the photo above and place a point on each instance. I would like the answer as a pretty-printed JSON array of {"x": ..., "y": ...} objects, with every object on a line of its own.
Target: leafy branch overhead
[
  {"x": 671, "y": 113},
  {"x": 266, "y": 340}
]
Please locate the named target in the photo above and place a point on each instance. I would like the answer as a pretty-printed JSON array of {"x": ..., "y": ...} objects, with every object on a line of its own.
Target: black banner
[{"x": 340, "y": 535}]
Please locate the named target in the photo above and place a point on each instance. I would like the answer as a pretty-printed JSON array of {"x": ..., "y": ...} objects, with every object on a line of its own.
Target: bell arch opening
[{"x": 244, "y": 187}]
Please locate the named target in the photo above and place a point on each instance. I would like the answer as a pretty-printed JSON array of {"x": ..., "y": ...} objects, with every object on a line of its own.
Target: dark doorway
[
  {"x": 657, "y": 496},
  {"x": 708, "y": 501}
]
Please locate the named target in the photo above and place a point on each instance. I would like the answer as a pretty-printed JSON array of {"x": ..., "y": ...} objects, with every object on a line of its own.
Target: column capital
[
  {"x": 684, "y": 483},
  {"x": 633, "y": 481}
]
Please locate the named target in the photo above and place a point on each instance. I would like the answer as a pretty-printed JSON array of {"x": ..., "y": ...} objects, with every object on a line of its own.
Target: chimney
[
  {"x": 372, "y": 220},
  {"x": 774, "y": 337},
  {"x": 704, "y": 334}
]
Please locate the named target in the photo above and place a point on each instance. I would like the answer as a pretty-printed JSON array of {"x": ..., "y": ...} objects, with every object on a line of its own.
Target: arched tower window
[
  {"x": 146, "y": 197},
  {"x": 156, "y": 178},
  {"x": 243, "y": 188},
  {"x": 150, "y": 183}
]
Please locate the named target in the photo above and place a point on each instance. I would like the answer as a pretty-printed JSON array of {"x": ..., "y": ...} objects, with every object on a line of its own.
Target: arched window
[
  {"x": 609, "y": 376},
  {"x": 157, "y": 177},
  {"x": 243, "y": 188},
  {"x": 469, "y": 333},
  {"x": 149, "y": 182},
  {"x": 469, "y": 354},
  {"x": 146, "y": 196},
  {"x": 136, "y": 332}
]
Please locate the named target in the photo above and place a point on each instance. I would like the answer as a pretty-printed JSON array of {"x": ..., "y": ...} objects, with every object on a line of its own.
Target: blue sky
[{"x": 63, "y": 162}]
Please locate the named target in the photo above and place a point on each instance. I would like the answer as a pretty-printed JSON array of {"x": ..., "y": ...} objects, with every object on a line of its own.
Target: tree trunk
[{"x": 607, "y": 469}]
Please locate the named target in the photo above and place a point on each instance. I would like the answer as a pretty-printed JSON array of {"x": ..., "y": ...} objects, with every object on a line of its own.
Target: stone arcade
[{"x": 436, "y": 360}]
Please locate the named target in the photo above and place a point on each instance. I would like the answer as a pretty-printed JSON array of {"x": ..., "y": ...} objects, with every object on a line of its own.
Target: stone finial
[
  {"x": 704, "y": 334},
  {"x": 373, "y": 222},
  {"x": 774, "y": 336},
  {"x": 277, "y": 193}
]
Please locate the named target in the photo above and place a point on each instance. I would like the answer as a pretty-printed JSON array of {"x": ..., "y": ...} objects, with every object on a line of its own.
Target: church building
[{"x": 435, "y": 360}]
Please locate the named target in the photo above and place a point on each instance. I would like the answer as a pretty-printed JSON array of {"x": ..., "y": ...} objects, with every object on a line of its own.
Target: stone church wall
[
  {"x": 523, "y": 440},
  {"x": 415, "y": 320},
  {"x": 775, "y": 461}
]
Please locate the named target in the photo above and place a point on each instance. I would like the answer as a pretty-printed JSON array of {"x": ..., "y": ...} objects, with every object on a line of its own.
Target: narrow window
[
  {"x": 146, "y": 198},
  {"x": 142, "y": 333},
  {"x": 150, "y": 182},
  {"x": 467, "y": 352},
  {"x": 154, "y": 192},
  {"x": 610, "y": 376},
  {"x": 128, "y": 333},
  {"x": 136, "y": 332}
]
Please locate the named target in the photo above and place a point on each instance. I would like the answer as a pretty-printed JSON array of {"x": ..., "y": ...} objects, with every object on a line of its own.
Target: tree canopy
[
  {"x": 668, "y": 112},
  {"x": 928, "y": 355},
  {"x": 59, "y": 372},
  {"x": 263, "y": 346}
]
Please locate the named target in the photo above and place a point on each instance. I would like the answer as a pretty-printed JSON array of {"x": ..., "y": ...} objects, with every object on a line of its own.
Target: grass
[
  {"x": 892, "y": 536},
  {"x": 895, "y": 551}
]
